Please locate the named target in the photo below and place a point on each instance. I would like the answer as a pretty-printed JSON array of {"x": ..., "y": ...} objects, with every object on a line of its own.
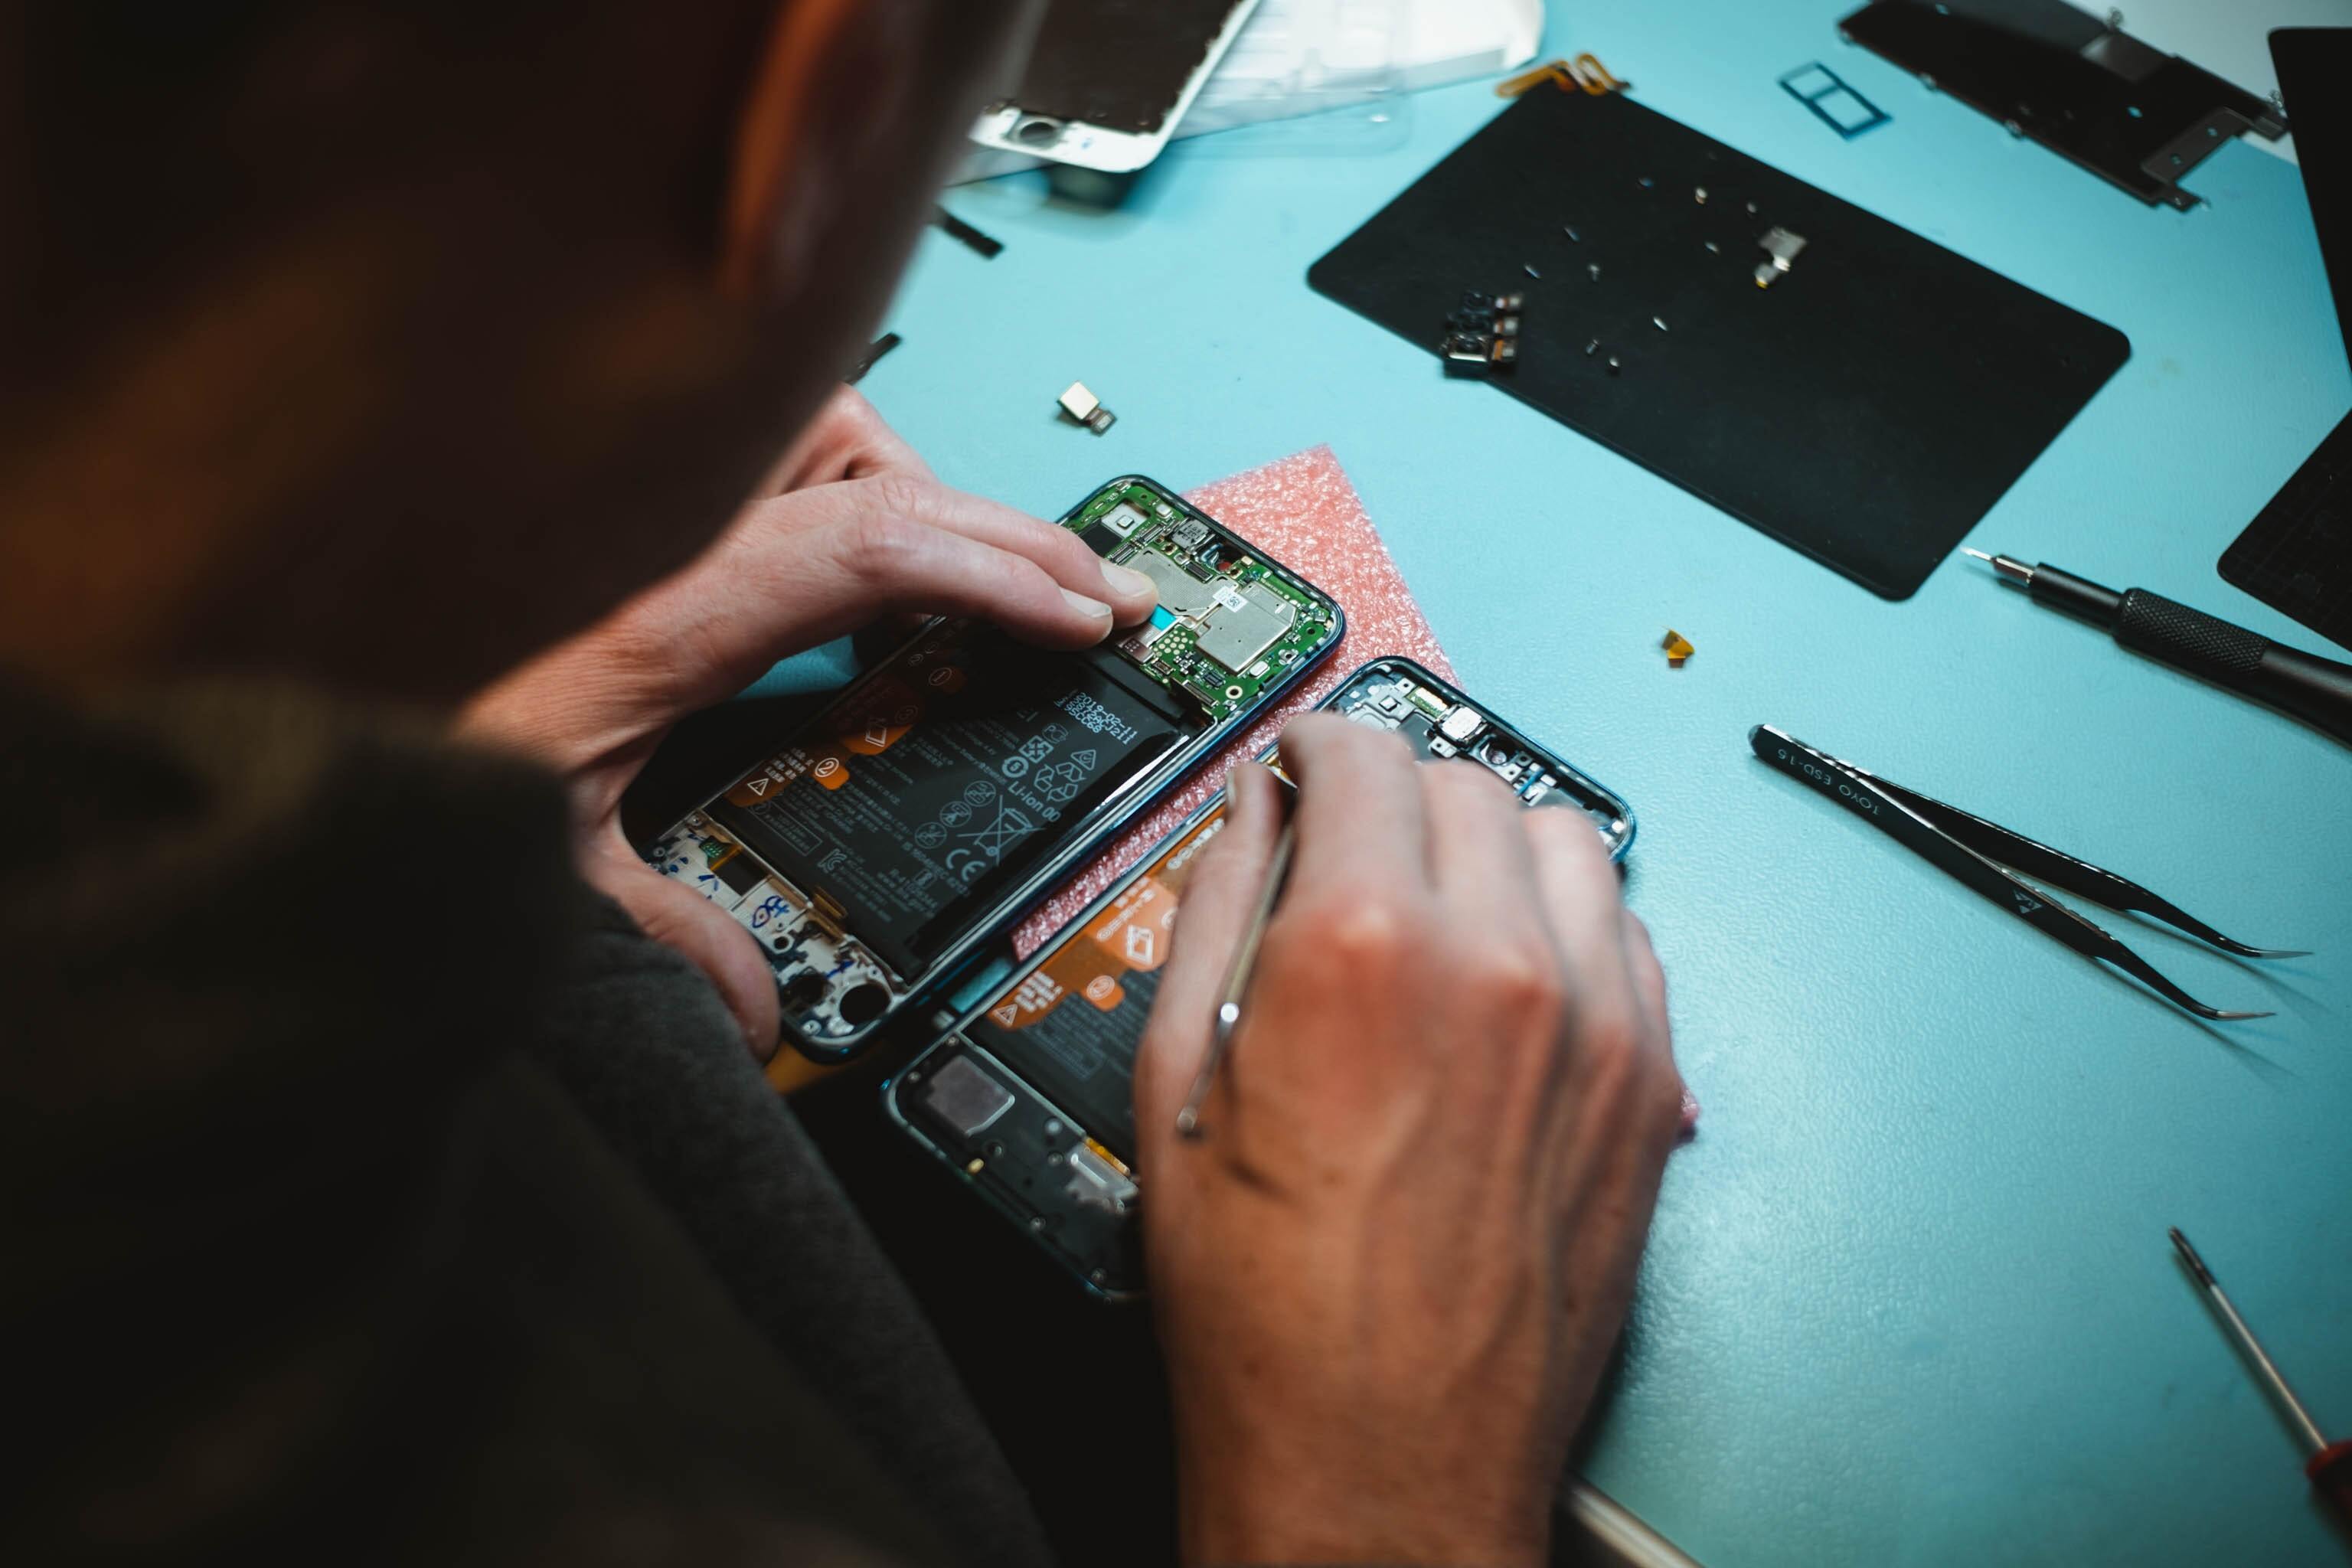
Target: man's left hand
[{"x": 861, "y": 530}]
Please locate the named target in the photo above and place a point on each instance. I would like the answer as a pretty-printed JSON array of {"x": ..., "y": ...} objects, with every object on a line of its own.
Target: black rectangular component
[
  {"x": 941, "y": 789},
  {"x": 1101, "y": 538},
  {"x": 874, "y": 352},
  {"x": 740, "y": 872},
  {"x": 2314, "y": 64},
  {"x": 1867, "y": 407},
  {"x": 2133, "y": 115},
  {"x": 2296, "y": 555},
  {"x": 989, "y": 247}
]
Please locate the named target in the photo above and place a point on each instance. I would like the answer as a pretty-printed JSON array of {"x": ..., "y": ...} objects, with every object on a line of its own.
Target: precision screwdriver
[
  {"x": 2329, "y": 1465},
  {"x": 1237, "y": 978},
  {"x": 2317, "y": 690}
]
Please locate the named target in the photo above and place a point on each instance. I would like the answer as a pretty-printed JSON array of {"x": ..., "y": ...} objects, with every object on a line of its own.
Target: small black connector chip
[
  {"x": 1101, "y": 538},
  {"x": 1482, "y": 337},
  {"x": 740, "y": 872}
]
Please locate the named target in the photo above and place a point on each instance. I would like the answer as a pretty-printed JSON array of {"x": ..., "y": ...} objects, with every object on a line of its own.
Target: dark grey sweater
[{"x": 373, "y": 1193}]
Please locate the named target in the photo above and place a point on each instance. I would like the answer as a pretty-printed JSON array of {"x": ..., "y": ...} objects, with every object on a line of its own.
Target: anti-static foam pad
[
  {"x": 1866, "y": 406},
  {"x": 1302, "y": 512}
]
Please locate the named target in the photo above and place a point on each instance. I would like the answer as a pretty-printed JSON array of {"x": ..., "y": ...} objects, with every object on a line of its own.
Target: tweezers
[{"x": 1968, "y": 848}]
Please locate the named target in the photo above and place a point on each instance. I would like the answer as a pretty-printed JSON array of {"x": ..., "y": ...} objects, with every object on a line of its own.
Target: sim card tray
[{"x": 1834, "y": 103}]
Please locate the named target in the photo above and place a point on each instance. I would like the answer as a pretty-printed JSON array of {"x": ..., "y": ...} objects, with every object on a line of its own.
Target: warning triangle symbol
[
  {"x": 1083, "y": 761},
  {"x": 759, "y": 786},
  {"x": 1006, "y": 1014}
]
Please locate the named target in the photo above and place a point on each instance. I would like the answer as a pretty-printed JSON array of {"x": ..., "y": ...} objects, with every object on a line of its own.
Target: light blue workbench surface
[{"x": 1909, "y": 1298}]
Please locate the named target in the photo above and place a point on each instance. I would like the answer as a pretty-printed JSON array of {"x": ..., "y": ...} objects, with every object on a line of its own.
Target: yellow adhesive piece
[
  {"x": 788, "y": 1070},
  {"x": 1553, "y": 70},
  {"x": 1594, "y": 77},
  {"x": 1678, "y": 647},
  {"x": 1584, "y": 71}
]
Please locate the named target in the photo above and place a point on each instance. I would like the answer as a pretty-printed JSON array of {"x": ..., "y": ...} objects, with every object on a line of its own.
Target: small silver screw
[
  {"x": 1594, "y": 270},
  {"x": 1659, "y": 323}
]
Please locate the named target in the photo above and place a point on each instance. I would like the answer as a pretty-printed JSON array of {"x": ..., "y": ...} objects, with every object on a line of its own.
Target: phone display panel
[{"x": 1108, "y": 81}]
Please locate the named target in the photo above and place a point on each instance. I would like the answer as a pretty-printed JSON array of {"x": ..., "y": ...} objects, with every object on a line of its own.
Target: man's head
[{"x": 387, "y": 341}]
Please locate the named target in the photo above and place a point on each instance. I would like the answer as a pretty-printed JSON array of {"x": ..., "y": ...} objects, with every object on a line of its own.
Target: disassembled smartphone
[
  {"x": 1105, "y": 84},
  {"x": 1029, "y": 1094},
  {"x": 926, "y": 808}
]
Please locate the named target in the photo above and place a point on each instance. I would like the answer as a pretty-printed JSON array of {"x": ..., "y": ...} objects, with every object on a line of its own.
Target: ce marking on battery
[{"x": 989, "y": 842}]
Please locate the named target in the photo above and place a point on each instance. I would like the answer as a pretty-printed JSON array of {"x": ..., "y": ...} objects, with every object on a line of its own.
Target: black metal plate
[
  {"x": 2296, "y": 555},
  {"x": 2131, "y": 115},
  {"x": 1866, "y": 410},
  {"x": 2314, "y": 64}
]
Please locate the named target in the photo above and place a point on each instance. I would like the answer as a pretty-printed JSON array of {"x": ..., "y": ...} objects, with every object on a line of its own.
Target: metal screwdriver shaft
[
  {"x": 1237, "y": 979},
  {"x": 2328, "y": 1465},
  {"x": 2263, "y": 1365}
]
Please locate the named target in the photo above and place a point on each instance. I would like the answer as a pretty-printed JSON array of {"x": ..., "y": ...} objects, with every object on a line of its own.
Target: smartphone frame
[
  {"x": 1012, "y": 129},
  {"x": 1078, "y": 839},
  {"x": 1115, "y": 1275}
]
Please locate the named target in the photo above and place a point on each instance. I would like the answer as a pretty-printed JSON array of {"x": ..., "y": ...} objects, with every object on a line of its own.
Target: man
[{"x": 386, "y": 1172}]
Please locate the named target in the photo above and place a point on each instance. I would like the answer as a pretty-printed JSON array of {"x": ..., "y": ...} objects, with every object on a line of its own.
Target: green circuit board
[{"x": 1228, "y": 626}]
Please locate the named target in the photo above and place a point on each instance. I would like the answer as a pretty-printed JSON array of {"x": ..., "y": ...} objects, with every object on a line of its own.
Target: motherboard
[{"x": 1228, "y": 625}]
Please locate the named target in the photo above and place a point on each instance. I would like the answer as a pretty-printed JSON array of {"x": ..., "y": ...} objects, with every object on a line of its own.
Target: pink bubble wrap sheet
[{"x": 1302, "y": 512}]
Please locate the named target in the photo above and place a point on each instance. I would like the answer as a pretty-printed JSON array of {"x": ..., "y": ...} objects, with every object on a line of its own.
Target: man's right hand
[{"x": 1389, "y": 1274}]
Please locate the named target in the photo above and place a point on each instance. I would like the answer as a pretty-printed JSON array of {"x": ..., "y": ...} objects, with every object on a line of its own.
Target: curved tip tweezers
[{"x": 1967, "y": 847}]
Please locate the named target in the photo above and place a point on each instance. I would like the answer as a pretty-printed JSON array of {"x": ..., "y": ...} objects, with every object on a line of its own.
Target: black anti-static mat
[
  {"x": 2296, "y": 555},
  {"x": 1866, "y": 409}
]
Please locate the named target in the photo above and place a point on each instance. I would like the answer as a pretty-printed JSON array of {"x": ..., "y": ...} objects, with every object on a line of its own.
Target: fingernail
[
  {"x": 1126, "y": 580},
  {"x": 1095, "y": 608}
]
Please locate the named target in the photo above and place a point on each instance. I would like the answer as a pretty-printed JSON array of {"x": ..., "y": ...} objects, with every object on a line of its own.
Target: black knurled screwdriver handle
[
  {"x": 2317, "y": 690},
  {"x": 2195, "y": 641}
]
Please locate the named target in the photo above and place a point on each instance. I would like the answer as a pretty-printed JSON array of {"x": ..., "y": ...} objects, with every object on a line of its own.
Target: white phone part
[{"x": 1107, "y": 82}]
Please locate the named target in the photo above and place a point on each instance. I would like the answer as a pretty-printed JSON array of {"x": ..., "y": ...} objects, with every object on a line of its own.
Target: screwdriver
[
  {"x": 1237, "y": 979},
  {"x": 2329, "y": 1465},
  {"x": 2314, "y": 689}
]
